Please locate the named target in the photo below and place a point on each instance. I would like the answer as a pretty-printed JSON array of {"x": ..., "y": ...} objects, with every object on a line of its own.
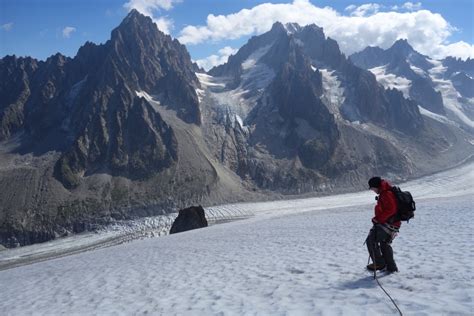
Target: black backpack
[{"x": 405, "y": 205}]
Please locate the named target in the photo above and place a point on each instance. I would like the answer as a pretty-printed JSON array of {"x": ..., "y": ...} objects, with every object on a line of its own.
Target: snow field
[{"x": 294, "y": 257}]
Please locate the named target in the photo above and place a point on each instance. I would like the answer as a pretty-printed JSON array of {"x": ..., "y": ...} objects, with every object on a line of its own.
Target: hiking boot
[
  {"x": 392, "y": 270},
  {"x": 373, "y": 267}
]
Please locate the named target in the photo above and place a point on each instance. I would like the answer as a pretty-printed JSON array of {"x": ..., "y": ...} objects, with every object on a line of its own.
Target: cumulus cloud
[
  {"x": 460, "y": 49},
  {"x": 7, "y": 26},
  {"x": 149, "y": 7},
  {"x": 214, "y": 60},
  {"x": 67, "y": 31},
  {"x": 426, "y": 31},
  {"x": 164, "y": 24}
]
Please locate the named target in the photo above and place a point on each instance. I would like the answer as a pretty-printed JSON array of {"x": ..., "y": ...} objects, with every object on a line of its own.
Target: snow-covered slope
[
  {"x": 301, "y": 257},
  {"x": 453, "y": 100}
]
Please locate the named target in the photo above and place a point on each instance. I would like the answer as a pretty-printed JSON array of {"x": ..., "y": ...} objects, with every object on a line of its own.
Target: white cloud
[
  {"x": 426, "y": 31},
  {"x": 411, "y": 6},
  {"x": 460, "y": 49},
  {"x": 363, "y": 10},
  {"x": 148, "y": 7},
  {"x": 67, "y": 31},
  {"x": 215, "y": 60},
  {"x": 7, "y": 26},
  {"x": 350, "y": 8},
  {"x": 164, "y": 24}
]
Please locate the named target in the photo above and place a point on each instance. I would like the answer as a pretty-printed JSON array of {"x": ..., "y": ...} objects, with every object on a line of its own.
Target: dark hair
[{"x": 375, "y": 182}]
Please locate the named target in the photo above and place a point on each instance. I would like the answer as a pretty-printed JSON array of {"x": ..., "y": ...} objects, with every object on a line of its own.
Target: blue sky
[{"x": 40, "y": 28}]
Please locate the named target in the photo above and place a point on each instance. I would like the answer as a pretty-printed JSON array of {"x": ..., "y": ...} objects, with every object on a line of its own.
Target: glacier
[{"x": 293, "y": 257}]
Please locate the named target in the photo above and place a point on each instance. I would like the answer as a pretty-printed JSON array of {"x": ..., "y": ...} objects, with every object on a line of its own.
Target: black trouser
[{"x": 380, "y": 249}]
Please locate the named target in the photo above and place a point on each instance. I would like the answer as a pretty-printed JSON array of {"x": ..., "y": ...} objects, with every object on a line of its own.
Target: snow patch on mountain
[
  {"x": 208, "y": 81},
  {"x": 333, "y": 92},
  {"x": 292, "y": 28},
  {"x": 390, "y": 81},
  {"x": 451, "y": 96},
  {"x": 437, "y": 117},
  {"x": 233, "y": 105},
  {"x": 75, "y": 89},
  {"x": 420, "y": 72},
  {"x": 256, "y": 75}
]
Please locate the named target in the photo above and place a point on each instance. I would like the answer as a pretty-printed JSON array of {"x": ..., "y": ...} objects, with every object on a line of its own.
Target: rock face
[
  {"x": 300, "y": 98},
  {"x": 90, "y": 148},
  {"x": 133, "y": 128},
  {"x": 189, "y": 218}
]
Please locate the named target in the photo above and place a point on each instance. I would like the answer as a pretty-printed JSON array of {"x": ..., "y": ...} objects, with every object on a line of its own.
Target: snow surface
[
  {"x": 299, "y": 257},
  {"x": 389, "y": 80},
  {"x": 435, "y": 116}
]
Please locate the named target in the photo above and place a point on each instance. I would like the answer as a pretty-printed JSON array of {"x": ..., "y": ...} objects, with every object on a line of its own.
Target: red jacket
[{"x": 386, "y": 205}]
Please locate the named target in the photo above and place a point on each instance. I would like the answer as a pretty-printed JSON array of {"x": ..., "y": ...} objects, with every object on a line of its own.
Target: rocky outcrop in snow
[{"x": 189, "y": 218}]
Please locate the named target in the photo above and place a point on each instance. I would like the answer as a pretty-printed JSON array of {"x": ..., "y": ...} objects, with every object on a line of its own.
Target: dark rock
[
  {"x": 463, "y": 84},
  {"x": 189, "y": 218},
  {"x": 422, "y": 91},
  {"x": 459, "y": 65}
]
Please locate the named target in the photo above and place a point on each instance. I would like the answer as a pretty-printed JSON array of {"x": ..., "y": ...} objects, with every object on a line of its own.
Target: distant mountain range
[
  {"x": 133, "y": 127},
  {"x": 444, "y": 87}
]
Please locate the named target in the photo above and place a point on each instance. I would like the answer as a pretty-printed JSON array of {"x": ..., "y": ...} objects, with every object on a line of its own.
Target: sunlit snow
[
  {"x": 391, "y": 81},
  {"x": 450, "y": 95}
]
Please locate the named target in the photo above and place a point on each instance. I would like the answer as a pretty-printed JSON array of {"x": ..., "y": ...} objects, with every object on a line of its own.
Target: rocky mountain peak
[
  {"x": 136, "y": 19},
  {"x": 138, "y": 30},
  {"x": 292, "y": 28},
  {"x": 278, "y": 27},
  {"x": 401, "y": 46}
]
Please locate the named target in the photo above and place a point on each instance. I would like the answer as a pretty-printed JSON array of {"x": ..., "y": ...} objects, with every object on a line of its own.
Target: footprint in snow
[{"x": 295, "y": 271}]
